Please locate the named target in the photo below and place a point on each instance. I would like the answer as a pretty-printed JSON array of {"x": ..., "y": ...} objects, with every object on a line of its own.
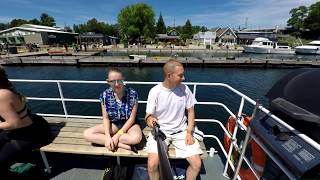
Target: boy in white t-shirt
[{"x": 166, "y": 105}]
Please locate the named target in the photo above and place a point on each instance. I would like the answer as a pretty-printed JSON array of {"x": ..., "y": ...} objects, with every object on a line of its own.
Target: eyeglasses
[{"x": 113, "y": 82}]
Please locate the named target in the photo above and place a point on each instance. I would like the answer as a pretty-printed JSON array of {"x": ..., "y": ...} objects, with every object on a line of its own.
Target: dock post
[{"x": 77, "y": 62}]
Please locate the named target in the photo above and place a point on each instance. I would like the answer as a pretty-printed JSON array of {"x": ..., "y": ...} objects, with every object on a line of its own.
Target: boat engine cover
[{"x": 302, "y": 159}]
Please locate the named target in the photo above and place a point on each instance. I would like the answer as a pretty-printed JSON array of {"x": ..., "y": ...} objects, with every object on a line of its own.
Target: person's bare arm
[
  {"x": 107, "y": 129},
  {"x": 127, "y": 124},
  {"x": 7, "y": 112},
  {"x": 150, "y": 120},
  {"x": 131, "y": 119},
  {"x": 191, "y": 122}
]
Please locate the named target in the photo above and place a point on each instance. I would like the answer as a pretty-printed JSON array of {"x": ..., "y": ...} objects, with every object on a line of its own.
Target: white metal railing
[{"x": 238, "y": 118}]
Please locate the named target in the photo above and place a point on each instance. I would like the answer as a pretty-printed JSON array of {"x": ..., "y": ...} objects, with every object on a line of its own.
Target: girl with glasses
[{"x": 119, "y": 105}]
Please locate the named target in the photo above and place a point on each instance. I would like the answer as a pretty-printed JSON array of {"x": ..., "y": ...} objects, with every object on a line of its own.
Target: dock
[{"x": 88, "y": 60}]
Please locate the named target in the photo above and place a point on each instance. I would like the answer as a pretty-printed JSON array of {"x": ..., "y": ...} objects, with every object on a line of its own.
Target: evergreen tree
[
  {"x": 161, "y": 27},
  {"x": 187, "y": 30}
]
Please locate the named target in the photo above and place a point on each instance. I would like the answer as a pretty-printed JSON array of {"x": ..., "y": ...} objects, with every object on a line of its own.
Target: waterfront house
[
  {"x": 204, "y": 38},
  {"x": 225, "y": 36},
  {"x": 36, "y": 34},
  {"x": 97, "y": 39},
  {"x": 172, "y": 37}
]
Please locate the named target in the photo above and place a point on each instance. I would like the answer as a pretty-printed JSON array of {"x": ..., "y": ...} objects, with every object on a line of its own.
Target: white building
[
  {"x": 42, "y": 35},
  {"x": 205, "y": 38}
]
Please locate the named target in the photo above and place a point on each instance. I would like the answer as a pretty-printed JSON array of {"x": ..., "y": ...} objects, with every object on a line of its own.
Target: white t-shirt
[{"x": 169, "y": 105}]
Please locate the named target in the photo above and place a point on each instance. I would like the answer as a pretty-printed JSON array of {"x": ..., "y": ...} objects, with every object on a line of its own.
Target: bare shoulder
[{"x": 6, "y": 94}]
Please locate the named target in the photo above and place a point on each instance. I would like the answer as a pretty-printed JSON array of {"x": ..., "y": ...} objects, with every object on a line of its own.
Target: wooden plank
[
  {"x": 92, "y": 150},
  {"x": 80, "y": 120},
  {"x": 71, "y": 124},
  {"x": 69, "y": 139},
  {"x": 70, "y": 134},
  {"x": 68, "y": 129}
]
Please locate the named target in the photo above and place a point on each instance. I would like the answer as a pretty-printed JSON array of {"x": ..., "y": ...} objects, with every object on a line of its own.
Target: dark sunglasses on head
[{"x": 113, "y": 82}]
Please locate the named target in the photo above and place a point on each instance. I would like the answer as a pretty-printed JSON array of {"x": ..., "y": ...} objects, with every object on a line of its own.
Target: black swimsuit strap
[
  {"x": 28, "y": 113},
  {"x": 24, "y": 108}
]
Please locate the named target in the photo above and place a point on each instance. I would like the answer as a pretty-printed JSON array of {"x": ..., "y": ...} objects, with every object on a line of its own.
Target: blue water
[{"x": 255, "y": 83}]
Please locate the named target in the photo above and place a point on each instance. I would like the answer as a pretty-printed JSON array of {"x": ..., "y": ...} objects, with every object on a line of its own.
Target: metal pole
[
  {"x": 45, "y": 161},
  {"x": 62, "y": 100},
  {"x": 234, "y": 139},
  {"x": 245, "y": 144},
  {"x": 246, "y": 140}
]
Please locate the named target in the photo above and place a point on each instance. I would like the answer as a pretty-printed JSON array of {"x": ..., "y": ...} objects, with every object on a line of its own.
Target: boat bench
[{"x": 68, "y": 138}]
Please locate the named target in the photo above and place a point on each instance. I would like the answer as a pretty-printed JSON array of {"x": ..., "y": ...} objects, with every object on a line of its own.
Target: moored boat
[
  {"x": 265, "y": 46},
  {"x": 136, "y": 57},
  {"x": 311, "y": 48}
]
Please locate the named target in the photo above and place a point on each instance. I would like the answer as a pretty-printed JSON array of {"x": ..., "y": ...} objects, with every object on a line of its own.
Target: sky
[{"x": 209, "y": 13}]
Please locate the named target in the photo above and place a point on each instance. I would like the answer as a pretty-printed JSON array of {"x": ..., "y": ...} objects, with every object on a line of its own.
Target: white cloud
[
  {"x": 5, "y": 19},
  {"x": 259, "y": 13}
]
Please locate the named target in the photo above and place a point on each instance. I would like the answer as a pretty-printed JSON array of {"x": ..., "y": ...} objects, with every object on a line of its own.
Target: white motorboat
[
  {"x": 265, "y": 46},
  {"x": 311, "y": 48},
  {"x": 136, "y": 57}
]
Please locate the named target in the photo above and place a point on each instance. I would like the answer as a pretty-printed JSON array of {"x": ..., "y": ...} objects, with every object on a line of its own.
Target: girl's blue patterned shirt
[{"x": 119, "y": 113}]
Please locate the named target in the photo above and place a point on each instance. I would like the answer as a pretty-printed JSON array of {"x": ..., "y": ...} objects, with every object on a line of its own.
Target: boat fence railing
[{"x": 195, "y": 85}]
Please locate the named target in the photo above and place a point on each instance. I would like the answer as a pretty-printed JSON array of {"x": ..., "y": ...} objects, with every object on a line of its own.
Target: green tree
[
  {"x": 204, "y": 29},
  {"x": 297, "y": 17},
  {"x": 312, "y": 22},
  {"x": 47, "y": 20},
  {"x": 136, "y": 21},
  {"x": 161, "y": 27},
  {"x": 93, "y": 25},
  {"x": 76, "y": 28},
  {"x": 187, "y": 30},
  {"x": 18, "y": 22},
  {"x": 34, "y": 21},
  {"x": 4, "y": 26}
]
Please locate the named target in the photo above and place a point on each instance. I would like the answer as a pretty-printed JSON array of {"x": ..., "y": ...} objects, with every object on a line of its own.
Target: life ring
[{"x": 258, "y": 157}]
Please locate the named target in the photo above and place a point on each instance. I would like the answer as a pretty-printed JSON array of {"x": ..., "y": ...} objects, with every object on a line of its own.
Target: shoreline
[
  {"x": 119, "y": 57},
  {"x": 149, "y": 62}
]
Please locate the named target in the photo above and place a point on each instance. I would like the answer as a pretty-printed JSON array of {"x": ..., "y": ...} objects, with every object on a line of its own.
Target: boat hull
[
  {"x": 263, "y": 50},
  {"x": 307, "y": 51}
]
